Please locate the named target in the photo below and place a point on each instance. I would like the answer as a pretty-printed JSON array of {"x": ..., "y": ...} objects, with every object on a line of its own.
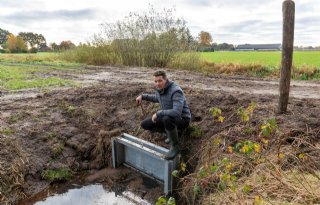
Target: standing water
[{"x": 93, "y": 194}]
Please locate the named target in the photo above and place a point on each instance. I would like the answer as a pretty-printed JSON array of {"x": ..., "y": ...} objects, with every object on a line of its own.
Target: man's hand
[
  {"x": 139, "y": 100},
  {"x": 154, "y": 118}
]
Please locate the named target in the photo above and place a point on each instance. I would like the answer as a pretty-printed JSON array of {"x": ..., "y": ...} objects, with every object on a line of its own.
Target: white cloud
[{"x": 231, "y": 21}]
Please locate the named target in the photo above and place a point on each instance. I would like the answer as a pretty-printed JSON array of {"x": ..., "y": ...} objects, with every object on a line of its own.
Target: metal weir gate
[{"x": 144, "y": 157}]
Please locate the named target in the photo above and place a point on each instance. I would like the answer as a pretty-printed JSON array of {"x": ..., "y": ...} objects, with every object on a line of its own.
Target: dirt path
[
  {"x": 71, "y": 128},
  {"x": 239, "y": 85}
]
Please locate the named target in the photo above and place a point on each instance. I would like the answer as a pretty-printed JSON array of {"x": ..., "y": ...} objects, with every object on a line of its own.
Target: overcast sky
[{"x": 231, "y": 21}]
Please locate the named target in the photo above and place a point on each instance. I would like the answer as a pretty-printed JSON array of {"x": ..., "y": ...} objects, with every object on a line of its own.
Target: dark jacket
[{"x": 172, "y": 101}]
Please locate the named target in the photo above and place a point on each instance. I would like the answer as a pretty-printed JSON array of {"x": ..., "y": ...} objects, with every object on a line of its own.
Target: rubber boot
[
  {"x": 174, "y": 146},
  {"x": 167, "y": 140}
]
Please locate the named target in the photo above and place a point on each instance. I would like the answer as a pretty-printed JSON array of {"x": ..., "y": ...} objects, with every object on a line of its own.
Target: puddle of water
[{"x": 93, "y": 194}]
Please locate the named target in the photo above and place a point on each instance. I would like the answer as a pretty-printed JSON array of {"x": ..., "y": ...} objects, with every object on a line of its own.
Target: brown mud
[{"x": 72, "y": 128}]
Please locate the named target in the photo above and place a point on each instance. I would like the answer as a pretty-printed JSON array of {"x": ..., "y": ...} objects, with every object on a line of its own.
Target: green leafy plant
[
  {"x": 207, "y": 176},
  {"x": 71, "y": 109},
  {"x": 183, "y": 167},
  {"x": 268, "y": 127},
  {"x": 164, "y": 201},
  {"x": 247, "y": 147},
  {"x": 175, "y": 173},
  {"x": 246, "y": 189},
  {"x": 245, "y": 113},
  {"x": 217, "y": 113}
]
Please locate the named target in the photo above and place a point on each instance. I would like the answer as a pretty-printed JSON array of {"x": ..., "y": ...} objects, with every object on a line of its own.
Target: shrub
[
  {"x": 149, "y": 39},
  {"x": 33, "y": 50},
  {"x": 93, "y": 55}
]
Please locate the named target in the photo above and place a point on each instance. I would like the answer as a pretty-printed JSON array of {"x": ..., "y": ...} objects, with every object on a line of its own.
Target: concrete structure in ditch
[{"x": 146, "y": 158}]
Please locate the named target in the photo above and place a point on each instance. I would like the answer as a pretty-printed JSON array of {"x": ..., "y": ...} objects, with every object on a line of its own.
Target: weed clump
[
  {"x": 194, "y": 131},
  {"x": 60, "y": 174}
]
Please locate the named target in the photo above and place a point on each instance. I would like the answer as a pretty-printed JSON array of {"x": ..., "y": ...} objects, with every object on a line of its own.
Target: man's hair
[{"x": 160, "y": 73}]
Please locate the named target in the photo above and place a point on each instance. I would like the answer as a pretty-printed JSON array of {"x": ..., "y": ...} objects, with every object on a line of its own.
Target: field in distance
[{"x": 266, "y": 58}]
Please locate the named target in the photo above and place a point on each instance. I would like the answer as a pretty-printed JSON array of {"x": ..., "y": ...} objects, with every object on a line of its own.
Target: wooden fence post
[{"x": 288, "y": 11}]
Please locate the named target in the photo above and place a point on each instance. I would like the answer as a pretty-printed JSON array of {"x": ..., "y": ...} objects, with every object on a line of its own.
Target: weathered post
[{"x": 288, "y": 10}]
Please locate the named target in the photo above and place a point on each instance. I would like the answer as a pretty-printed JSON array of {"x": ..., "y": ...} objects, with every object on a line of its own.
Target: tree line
[{"x": 29, "y": 42}]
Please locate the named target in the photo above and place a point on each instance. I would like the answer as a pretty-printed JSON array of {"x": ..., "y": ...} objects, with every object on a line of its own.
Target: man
[{"x": 174, "y": 111}]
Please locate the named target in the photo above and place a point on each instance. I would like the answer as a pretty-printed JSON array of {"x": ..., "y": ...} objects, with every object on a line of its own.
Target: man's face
[{"x": 160, "y": 82}]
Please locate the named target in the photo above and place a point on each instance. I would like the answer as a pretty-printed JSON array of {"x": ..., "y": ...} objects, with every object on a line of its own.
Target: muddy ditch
[{"x": 72, "y": 130}]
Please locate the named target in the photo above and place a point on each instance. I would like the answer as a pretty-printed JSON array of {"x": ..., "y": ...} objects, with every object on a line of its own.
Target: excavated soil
[{"x": 72, "y": 128}]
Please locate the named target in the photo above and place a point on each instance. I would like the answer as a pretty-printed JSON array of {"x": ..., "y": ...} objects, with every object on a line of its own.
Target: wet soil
[{"x": 72, "y": 128}]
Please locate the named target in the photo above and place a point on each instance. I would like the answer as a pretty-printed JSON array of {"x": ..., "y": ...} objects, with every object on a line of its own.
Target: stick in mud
[{"x": 143, "y": 112}]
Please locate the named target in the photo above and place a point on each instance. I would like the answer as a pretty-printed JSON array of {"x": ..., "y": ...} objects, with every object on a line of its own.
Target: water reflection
[{"x": 91, "y": 195}]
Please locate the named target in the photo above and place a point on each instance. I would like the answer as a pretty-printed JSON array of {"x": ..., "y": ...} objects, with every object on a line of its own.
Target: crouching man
[{"x": 174, "y": 111}]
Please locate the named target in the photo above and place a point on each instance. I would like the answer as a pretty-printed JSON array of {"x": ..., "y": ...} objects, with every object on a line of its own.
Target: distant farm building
[{"x": 258, "y": 47}]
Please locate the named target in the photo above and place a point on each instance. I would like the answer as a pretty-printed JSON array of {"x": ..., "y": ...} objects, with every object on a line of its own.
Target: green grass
[
  {"x": 7, "y": 131},
  {"x": 268, "y": 59},
  {"x": 194, "y": 131},
  {"x": 17, "y": 84},
  {"x": 43, "y": 58},
  {"x": 43, "y": 70},
  {"x": 60, "y": 174},
  {"x": 24, "y": 76}
]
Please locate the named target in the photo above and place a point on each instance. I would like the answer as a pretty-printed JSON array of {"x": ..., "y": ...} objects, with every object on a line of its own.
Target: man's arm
[
  {"x": 176, "y": 111},
  {"x": 149, "y": 97}
]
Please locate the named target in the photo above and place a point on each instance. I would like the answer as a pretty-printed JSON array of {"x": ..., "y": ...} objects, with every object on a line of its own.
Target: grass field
[
  {"x": 25, "y": 71},
  {"x": 43, "y": 58},
  {"x": 42, "y": 70},
  {"x": 16, "y": 77},
  {"x": 269, "y": 59}
]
